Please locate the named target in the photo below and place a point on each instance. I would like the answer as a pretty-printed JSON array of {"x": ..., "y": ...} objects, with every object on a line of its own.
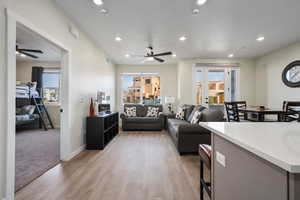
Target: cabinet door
[
  {"x": 245, "y": 176},
  {"x": 94, "y": 133}
]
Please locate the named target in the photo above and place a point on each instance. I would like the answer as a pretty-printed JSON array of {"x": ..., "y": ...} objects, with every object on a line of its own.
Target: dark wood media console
[{"x": 100, "y": 130}]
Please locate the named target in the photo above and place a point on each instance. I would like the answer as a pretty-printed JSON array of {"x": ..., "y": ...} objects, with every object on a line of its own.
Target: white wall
[
  {"x": 168, "y": 77},
  {"x": 185, "y": 80},
  {"x": 89, "y": 70},
  {"x": 24, "y": 69},
  {"x": 270, "y": 90},
  {"x": 2, "y": 100}
]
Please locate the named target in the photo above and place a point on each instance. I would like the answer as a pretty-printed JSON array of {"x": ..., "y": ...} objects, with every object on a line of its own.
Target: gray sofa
[
  {"x": 141, "y": 122},
  {"x": 187, "y": 136}
]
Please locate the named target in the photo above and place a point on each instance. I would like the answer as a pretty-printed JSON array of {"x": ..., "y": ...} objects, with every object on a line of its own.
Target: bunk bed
[
  {"x": 30, "y": 109},
  {"x": 25, "y": 112}
]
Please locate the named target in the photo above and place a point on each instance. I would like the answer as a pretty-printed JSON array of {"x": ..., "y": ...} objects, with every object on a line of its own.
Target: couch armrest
[
  {"x": 122, "y": 116},
  {"x": 161, "y": 115},
  {"x": 170, "y": 115},
  {"x": 191, "y": 129}
]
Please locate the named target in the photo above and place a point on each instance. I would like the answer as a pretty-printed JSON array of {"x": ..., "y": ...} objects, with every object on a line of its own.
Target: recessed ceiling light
[
  {"x": 231, "y": 55},
  {"x": 260, "y": 39},
  {"x": 17, "y": 52},
  {"x": 127, "y": 55},
  {"x": 182, "y": 38},
  {"x": 195, "y": 11},
  {"x": 22, "y": 55},
  {"x": 173, "y": 55},
  {"x": 201, "y": 2},
  {"x": 98, "y": 2},
  {"x": 104, "y": 11},
  {"x": 118, "y": 39}
]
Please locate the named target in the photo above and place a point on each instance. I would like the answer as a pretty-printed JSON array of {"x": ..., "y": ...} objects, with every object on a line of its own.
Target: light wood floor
[{"x": 134, "y": 166}]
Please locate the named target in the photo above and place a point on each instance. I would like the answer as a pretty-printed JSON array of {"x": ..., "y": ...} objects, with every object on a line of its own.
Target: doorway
[
  {"x": 213, "y": 85},
  {"x": 12, "y": 22},
  {"x": 38, "y": 67}
]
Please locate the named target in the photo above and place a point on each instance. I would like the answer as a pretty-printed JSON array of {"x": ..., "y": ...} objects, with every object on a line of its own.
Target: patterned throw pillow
[
  {"x": 152, "y": 112},
  {"x": 180, "y": 113},
  {"x": 196, "y": 117},
  {"x": 130, "y": 111}
]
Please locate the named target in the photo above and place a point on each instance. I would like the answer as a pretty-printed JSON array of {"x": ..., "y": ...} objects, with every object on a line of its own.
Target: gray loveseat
[
  {"x": 141, "y": 122},
  {"x": 187, "y": 136}
]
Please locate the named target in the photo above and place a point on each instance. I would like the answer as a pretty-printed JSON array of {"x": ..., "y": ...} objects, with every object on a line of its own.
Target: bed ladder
[{"x": 45, "y": 119}]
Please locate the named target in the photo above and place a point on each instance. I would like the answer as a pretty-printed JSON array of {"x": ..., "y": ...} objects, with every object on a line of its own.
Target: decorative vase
[{"x": 92, "y": 108}]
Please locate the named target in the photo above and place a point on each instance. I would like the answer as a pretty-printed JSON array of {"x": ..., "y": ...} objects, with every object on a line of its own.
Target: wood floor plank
[{"x": 134, "y": 166}]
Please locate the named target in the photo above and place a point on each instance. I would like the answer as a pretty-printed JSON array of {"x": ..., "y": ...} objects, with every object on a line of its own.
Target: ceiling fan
[
  {"x": 28, "y": 52},
  {"x": 150, "y": 55}
]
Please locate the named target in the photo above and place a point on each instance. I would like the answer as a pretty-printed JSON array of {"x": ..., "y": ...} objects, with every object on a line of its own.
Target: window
[
  {"x": 140, "y": 88},
  {"x": 51, "y": 86}
]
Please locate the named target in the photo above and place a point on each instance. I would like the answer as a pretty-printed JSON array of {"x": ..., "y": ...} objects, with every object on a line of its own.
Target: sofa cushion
[
  {"x": 209, "y": 115},
  {"x": 176, "y": 121},
  {"x": 142, "y": 120},
  {"x": 196, "y": 108}
]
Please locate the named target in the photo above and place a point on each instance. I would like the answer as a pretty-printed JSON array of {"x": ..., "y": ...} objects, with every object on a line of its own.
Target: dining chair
[
  {"x": 232, "y": 110},
  {"x": 292, "y": 109}
]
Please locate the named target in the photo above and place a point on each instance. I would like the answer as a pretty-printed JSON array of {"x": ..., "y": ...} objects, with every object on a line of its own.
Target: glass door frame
[{"x": 228, "y": 70}]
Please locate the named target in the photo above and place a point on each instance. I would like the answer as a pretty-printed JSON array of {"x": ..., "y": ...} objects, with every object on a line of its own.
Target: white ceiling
[
  {"x": 220, "y": 28},
  {"x": 27, "y": 39}
]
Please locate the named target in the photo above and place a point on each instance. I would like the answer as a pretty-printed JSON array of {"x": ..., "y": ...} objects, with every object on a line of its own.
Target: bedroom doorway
[
  {"x": 15, "y": 22},
  {"x": 38, "y": 91}
]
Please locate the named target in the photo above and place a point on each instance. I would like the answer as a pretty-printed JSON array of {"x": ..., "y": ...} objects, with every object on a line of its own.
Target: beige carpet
[{"x": 36, "y": 152}]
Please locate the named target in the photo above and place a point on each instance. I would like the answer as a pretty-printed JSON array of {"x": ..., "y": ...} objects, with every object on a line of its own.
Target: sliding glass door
[{"x": 212, "y": 86}]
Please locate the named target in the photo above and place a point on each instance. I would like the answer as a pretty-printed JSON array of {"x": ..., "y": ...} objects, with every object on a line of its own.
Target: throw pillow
[
  {"x": 28, "y": 110},
  {"x": 130, "y": 111},
  {"x": 196, "y": 117},
  {"x": 196, "y": 108},
  {"x": 180, "y": 113},
  {"x": 152, "y": 111}
]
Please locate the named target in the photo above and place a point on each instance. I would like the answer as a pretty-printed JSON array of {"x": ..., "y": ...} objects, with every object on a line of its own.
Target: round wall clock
[{"x": 291, "y": 74}]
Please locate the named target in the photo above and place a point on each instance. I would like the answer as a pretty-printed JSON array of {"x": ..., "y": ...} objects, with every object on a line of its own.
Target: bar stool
[{"x": 205, "y": 159}]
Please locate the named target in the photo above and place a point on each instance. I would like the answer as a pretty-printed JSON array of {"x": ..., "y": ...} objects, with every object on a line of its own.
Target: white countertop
[{"x": 278, "y": 143}]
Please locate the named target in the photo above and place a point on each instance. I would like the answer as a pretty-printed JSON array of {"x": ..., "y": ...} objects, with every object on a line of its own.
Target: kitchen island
[{"x": 258, "y": 161}]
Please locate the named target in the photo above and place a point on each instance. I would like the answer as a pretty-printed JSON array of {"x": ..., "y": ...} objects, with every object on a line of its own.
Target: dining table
[{"x": 261, "y": 113}]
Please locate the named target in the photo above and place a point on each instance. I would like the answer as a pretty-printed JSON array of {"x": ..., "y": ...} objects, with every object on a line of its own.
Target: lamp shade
[{"x": 169, "y": 100}]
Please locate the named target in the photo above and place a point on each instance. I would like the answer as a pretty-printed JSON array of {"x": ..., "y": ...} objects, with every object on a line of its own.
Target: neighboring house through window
[
  {"x": 140, "y": 88},
  {"x": 51, "y": 85}
]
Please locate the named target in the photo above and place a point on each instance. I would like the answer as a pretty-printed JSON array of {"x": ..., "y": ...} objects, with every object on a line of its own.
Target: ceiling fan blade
[
  {"x": 163, "y": 54},
  {"x": 27, "y": 54},
  {"x": 31, "y": 50},
  {"x": 159, "y": 60}
]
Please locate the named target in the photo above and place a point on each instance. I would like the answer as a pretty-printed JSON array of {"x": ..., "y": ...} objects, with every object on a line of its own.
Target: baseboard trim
[{"x": 74, "y": 153}]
